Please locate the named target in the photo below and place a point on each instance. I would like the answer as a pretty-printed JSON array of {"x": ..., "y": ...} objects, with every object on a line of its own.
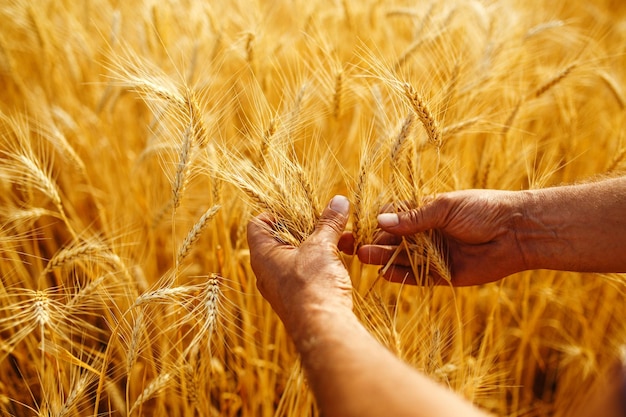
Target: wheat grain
[
  {"x": 152, "y": 389},
  {"x": 156, "y": 89},
  {"x": 454, "y": 129},
  {"x": 207, "y": 311},
  {"x": 197, "y": 124},
  {"x": 72, "y": 253},
  {"x": 182, "y": 169},
  {"x": 164, "y": 295},
  {"x": 542, "y": 27},
  {"x": 337, "y": 96},
  {"x": 266, "y": 143},
  {"x": 424, "y": 114},
  {"x": 195, "y": 232},
  {"x": 360, "y": 206},
  {"x": 79, "y": 390},
  {"x": 250, "y": 38},
  {"x": 285, "y": 104},
  {"x": 210, "y": 302},
  {"x": 307, "y": 187},
  {"x": 398, "y": 154},
  {"x": 552, "y": 82},
  {"x": 135, "y": 338},
  {"x": 401, "y": 139}
]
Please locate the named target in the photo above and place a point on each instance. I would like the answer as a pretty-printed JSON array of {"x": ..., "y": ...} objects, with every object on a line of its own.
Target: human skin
[
  {"x": 350, "y": 373},
  {"x": 489, "y": 234}
]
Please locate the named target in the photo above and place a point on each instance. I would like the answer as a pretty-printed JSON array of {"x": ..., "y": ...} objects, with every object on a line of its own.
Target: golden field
[{"x": 139, "y": 137}]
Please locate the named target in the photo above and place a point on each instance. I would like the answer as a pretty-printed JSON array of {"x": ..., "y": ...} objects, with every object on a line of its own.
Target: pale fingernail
[
  {"x": 340, "y": 204},
  {"x": 388, "y": 219}
]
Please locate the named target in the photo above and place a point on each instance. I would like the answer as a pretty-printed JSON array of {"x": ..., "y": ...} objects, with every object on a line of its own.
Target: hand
[
  {"x": 297, "y": 281},
  {"x": 477, "y": 229}
]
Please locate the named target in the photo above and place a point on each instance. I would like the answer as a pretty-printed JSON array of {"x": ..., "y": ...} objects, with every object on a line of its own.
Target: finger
[
  {"x": 429, "y": 216},
  {"x": 333, "y": 221},
  {"x": 346, "y": 243},
  {"x": 395, "y": 207},
  {"x": 387, "y": 208},
  {"x": 400, "y": 274},
  {"x": 382, "y": 255},
  {"x": 407, "y": 275},
  {"x": 259, "y": 233},
  {"x": 385, "y": 238},
  {"x": 404, "y": 205}
]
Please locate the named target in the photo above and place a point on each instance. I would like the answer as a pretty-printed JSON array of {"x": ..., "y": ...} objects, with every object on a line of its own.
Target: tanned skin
[{"x": 487, "y": 236}]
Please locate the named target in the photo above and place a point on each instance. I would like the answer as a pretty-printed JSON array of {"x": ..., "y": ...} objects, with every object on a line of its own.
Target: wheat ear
[
  {"x": 552, "y": 82},
  {"x": 77, "y": 251},
  {"x": 359, "y": 199},
  {"x": 423, "y": 112},
  {"x": 398, "y": 153},
  {"x": 337, "y": 96},
  {"x": 195, "y": 232},
  {"x": 150, "y": 391},
  {"x": 182, "y": 168},
  {"x": 207, "y": 311}
]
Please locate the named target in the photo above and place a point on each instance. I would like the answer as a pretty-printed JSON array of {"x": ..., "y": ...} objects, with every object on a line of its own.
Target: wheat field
[{"x": 138, "y": 138}]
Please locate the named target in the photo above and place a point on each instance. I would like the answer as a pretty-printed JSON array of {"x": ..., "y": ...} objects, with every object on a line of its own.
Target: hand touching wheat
[
  {"x": 476, "y": 228},
  {"x": 487, "y": 234}
]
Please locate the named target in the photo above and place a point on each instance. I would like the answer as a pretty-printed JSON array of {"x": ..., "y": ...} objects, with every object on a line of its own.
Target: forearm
[
  {"x": 351, "y": 374},
  {"x": 576, "y": 228}
]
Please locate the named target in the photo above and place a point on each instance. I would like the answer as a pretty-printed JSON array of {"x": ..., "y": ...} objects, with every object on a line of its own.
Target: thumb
[
  {"x": 259, "y": 234},
  {"x": 413, "y": 221},
  {"x": 333, "y": 221}
]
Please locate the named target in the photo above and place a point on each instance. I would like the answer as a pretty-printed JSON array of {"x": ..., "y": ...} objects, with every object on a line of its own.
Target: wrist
[
  {"x": 310, "y": 324},
  {"x": 577, "y": 227},
  {"x": 539, "y": 230}
]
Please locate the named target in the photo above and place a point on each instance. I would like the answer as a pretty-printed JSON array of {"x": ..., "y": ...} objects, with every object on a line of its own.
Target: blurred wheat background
[{"x": 139, "y": 137}]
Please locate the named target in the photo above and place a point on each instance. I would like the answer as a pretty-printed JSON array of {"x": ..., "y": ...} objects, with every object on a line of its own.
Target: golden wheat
[{"x": 124, "y": 125}]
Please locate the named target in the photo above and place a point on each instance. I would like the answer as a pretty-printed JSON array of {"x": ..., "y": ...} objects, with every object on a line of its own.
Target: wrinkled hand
[
  {"x": 477, "y": 228},
  {"x": 298, "y": 280}
]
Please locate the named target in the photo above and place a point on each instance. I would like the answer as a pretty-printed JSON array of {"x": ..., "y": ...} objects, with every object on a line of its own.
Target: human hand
[
  {"x": 298, "y": 281},
  {"x": 477, "y": 229}
]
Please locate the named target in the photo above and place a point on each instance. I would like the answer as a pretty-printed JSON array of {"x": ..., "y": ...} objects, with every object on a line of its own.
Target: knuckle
[
  {"x": 414, "y": 216},
  {"x": 333, "y": 223}
]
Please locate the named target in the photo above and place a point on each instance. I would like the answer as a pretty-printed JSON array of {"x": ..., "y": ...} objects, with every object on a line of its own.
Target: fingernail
[
  {"x": 340, "y": 204},
  {"x": 388, "y": 219}
]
